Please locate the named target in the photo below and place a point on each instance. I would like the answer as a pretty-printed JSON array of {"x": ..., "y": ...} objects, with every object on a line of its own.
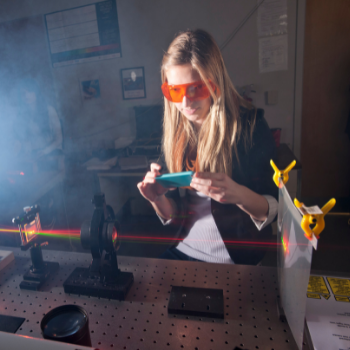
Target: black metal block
[
  {"x": 10, "y": 324},
  {"x": 196, "y": 302},
  {"x": 80, "y": 282},
  {"x": 34, "y": 278}
]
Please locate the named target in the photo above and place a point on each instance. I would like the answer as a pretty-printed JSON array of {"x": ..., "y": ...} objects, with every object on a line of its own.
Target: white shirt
[{"x": 203, "y": 241}]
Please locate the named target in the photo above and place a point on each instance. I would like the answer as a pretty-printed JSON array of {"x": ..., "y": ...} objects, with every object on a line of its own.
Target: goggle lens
[{"x": 193, "y": 91}]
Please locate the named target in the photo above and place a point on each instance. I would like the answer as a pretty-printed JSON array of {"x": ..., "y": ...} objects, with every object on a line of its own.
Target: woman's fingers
[
  {"x": 217, "y": 193},
  {"x": 149, "y": 180},
  {"x": 206, "y": 182},
  {"x": 207, "y": 189},
  {"x": 156, "y": 168},
  {"x": 150, "y": 177},
  {"x": 149, "y": 187},
  {"x": 209, "y": 179}
]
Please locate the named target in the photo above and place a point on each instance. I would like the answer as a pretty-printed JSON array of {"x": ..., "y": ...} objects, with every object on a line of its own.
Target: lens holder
[
  {"x": 40, "y": 270},
  {"x": 101, "y": 236}
]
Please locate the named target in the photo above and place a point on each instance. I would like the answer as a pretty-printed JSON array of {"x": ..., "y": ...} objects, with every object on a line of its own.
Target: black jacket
[{"x": 244, "y": 242}]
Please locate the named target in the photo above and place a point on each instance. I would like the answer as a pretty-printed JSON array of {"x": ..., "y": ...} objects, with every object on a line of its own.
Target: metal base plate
[
  {"x": 33, "y": 280},
  {"x": 80, "y": 282},
  {"x": 142, "y": 321},
  {"x": 203, "y": 302}
]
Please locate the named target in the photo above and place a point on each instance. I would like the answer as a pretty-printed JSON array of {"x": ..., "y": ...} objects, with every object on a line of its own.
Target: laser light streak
[
  {"x": 285, "y": 246},
  {"x": 75, "y": 234}
]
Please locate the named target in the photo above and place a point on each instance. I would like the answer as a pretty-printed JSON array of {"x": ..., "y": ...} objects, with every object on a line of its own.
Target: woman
[{"x": 210, "y": 129}]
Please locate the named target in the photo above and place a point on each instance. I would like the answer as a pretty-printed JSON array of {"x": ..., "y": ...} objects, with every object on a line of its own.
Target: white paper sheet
[
  {"x": 294, "y": 263},
  {"x": 272, "y": 17},
  {"x": 328, "y": 317},
  {"x": 273, "y": 53}
]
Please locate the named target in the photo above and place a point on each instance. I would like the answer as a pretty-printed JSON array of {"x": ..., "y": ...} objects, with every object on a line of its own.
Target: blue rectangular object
[{"x": 182, "y": 179}]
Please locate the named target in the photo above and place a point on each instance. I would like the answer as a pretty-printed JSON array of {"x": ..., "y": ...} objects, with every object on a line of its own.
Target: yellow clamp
[
  {"x": 281, "y": 174},
  {"x": 314, "y": 219}
]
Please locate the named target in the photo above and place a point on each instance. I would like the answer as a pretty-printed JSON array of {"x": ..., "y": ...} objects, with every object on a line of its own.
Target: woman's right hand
[{"x": 149, "y": 187}]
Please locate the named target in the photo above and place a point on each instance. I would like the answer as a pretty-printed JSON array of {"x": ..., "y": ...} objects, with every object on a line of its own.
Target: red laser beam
[
  {"x": 197, "y": 240},
  {"x": 56, "y": 233},
  {"x": 76, "y": 233}
]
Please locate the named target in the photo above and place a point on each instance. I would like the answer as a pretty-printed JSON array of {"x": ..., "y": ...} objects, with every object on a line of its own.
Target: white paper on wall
[
  {"x": 272, "y": 17},
  {"x": 273, "y": 53}
]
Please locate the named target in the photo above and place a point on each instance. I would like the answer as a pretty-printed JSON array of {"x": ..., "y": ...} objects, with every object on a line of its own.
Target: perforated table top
[{"x": 142, "y": 321}]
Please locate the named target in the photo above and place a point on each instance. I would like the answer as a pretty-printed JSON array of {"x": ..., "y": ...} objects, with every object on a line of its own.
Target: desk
[{"x": 142, "y": 320}]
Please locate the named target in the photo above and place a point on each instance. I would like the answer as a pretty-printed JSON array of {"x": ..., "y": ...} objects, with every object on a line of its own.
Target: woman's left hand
[{"x": 218, "y": 186}]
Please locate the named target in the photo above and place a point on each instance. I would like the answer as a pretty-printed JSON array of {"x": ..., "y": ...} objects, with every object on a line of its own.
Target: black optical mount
[
  {"x": 40, "y": 270},
  {"x": 101, "y": 236}
]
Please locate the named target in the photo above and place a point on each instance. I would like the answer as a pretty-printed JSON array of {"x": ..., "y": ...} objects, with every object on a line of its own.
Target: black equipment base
[
  {"x": 196, "y": 302},
  {"x": 10, "y": 324},
  {"x": 80, "y": 282},
  {"x": 34, "y": 278}
]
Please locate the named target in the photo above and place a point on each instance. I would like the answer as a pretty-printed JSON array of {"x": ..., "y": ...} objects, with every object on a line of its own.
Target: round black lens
[{"x": 67, "y": 323}]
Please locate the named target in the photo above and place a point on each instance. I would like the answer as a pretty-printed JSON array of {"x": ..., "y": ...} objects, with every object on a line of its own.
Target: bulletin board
[{"x": 83, "y": 34}]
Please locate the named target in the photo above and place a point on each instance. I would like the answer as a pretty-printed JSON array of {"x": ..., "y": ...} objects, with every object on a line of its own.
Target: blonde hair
[{"x": 222, "y": 128}]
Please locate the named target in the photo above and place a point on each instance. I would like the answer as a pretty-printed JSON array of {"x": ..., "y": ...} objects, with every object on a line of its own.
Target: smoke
[
  {"x": 31, "y": 152},
  {"x": 49, "y": 131}
]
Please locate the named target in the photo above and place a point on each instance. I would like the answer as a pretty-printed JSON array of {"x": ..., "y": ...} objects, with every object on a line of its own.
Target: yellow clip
[
  {"x": 314, "y": 219},
  {"x": 281, "y": 174}
]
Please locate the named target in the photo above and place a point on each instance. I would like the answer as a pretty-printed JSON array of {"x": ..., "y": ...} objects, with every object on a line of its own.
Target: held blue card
[{"x": 175, "y": 179}]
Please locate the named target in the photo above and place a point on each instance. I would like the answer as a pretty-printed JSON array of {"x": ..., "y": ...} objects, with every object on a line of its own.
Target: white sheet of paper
[
  {"x": 314, "y": 210},
  {"x": 328, "y": 321},
  {"x": 273, "y": 53},
  {"x": 272, "y": 17},
  {"x": 294, "y": 262}
]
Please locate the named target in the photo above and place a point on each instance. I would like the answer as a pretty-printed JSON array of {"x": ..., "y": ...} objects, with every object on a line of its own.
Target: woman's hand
[
  {"x": 218, "y": 186},
  {"x": 149, "y": 187},
  {"x": 223, "y": 189}
]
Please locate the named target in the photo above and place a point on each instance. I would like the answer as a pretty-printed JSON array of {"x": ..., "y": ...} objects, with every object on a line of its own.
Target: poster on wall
[
  {"x": 272, "y": 18},
  {"x": 84, "y": 34},
  {"x": 133, "y": 83},
  {"x": 273, "y": 53},
  {"x": 90, "y": 89}
]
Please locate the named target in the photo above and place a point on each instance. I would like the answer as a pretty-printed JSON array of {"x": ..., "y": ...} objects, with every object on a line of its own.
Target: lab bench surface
[{"x": 142, "y": 321}]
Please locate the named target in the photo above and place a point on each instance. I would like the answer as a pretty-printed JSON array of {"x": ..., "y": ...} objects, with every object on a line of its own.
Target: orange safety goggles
[{"x": 193, "y": 91}]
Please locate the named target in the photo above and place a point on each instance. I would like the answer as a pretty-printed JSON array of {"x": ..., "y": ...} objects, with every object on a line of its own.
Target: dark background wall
[{"x": 325, "y": 147}]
